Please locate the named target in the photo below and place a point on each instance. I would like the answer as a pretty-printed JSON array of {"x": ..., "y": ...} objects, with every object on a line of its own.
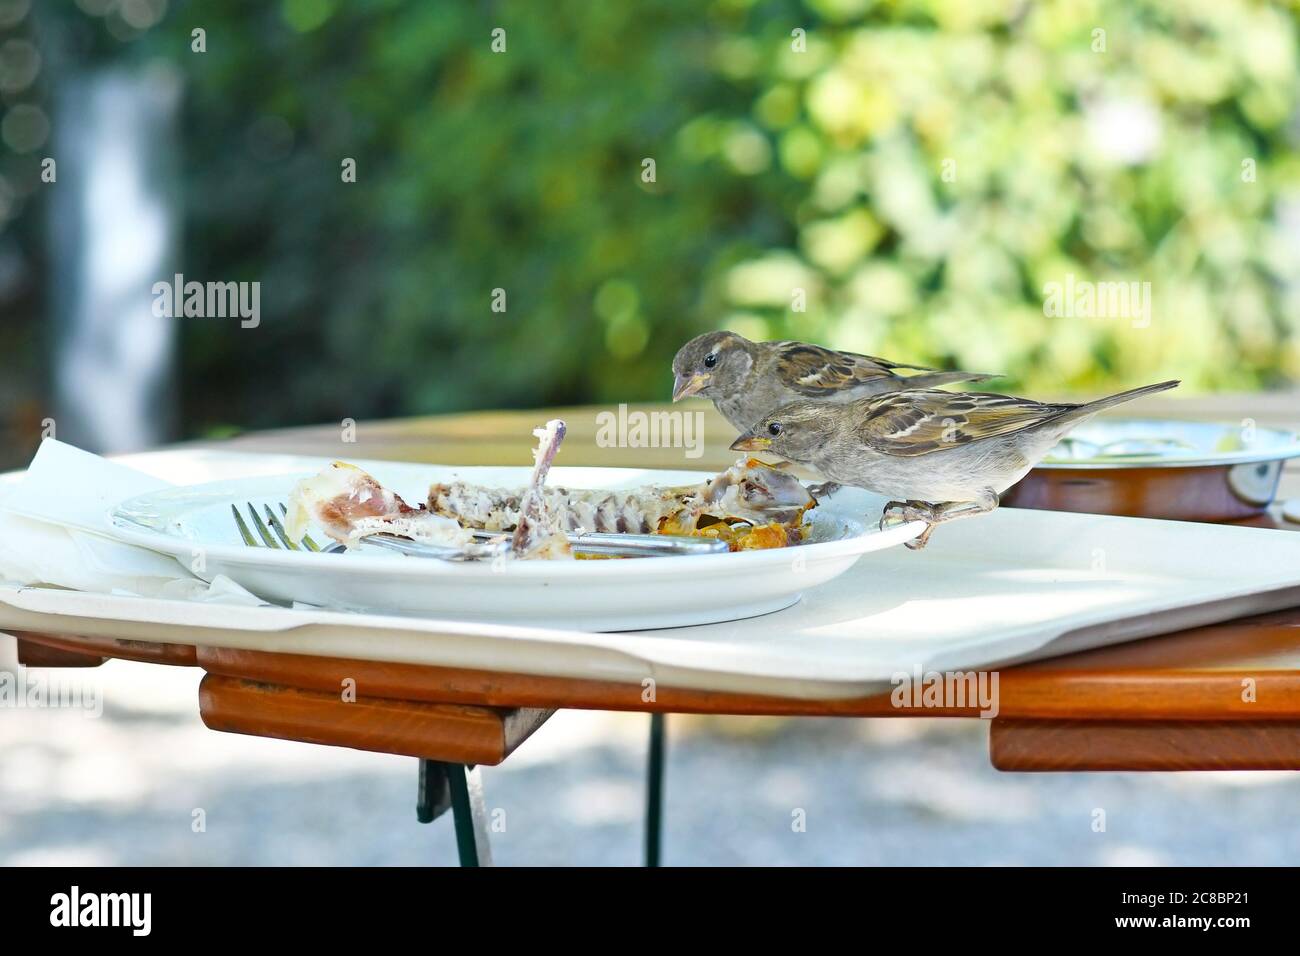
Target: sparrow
[
  {"x": 939, "y": 455},
  {"x": 745, "y": 380}
]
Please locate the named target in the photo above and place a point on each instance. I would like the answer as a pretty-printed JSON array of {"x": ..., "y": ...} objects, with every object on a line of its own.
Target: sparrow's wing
[
  {"x": 909, "y": 424},
  {"x": 817, "y": 372}
]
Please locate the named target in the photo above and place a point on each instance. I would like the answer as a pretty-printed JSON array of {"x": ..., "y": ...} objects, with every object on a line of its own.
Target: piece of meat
[{"x": 349, "y": 504}]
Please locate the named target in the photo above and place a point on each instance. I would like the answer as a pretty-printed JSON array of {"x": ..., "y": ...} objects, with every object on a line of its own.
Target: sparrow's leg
[
  {"x": 951, "y": 511},
  {"x": 825, "y": 489}
]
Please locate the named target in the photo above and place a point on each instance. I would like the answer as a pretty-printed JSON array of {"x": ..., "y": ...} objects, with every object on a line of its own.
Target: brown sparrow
[
  {"x": 746, "y": 380},
  {"x": 940, "y": 455}
]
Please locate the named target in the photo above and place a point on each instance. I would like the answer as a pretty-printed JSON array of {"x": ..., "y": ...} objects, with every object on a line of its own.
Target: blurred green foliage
[
  {"x": 476, "y": 170},
  {"x": 954, "y": 159},
  {"x": 920, "y": 169}
]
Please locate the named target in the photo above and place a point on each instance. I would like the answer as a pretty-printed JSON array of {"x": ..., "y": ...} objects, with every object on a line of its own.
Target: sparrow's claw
[
  {"x": 887, "y": 517},
  {"x": 902, "y": 512},
  {"x": 824, "y": 490},
  {"x": 922, "y": 539}
]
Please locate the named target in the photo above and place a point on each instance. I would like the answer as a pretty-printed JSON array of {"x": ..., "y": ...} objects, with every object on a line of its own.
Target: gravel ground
[{"x": 128, "y": 786}]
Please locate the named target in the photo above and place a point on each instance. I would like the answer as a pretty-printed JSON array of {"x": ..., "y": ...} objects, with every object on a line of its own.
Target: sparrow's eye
[
  {"x": 774, "y": 429},
  {"x": 711, "y": 360}
]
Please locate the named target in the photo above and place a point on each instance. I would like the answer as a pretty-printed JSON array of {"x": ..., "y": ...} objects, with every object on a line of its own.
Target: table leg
[
  {"x": 654, "y": 803},
  {"x": 459, "y": 788},
  {"x": 433, "y": 798},
  {"x": 469, "y": 812}
]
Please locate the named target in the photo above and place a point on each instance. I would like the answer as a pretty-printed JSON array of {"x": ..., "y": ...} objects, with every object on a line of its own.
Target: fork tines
[{"x": 265, "y": 528}]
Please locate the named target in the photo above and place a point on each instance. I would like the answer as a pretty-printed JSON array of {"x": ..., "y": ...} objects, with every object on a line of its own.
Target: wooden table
[{"x": 1225, "y": 697}]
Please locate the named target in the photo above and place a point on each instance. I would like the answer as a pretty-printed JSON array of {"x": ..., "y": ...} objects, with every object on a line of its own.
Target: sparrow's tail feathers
[
  {"x": 937, "y": 379},
  {"x": 1092, "y": 408}
]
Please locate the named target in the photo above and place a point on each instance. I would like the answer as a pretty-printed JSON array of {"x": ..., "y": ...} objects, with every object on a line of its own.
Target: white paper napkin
[{"x": 54, "y": 530}]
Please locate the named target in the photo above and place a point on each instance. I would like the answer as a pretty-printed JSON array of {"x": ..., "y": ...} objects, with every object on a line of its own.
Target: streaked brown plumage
[
  {"x": 940, "y": 455},
  {"x": 746, "y": 380}
]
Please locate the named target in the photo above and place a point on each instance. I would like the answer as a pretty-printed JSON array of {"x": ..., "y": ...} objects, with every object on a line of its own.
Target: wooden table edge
[{"x": 1032, "y": 691}]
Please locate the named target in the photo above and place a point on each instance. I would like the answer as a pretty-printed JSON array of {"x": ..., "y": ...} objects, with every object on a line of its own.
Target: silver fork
[
  {"x": 270, "y": 529},
  {"x": 593, "y": 543},
  {"x": 265, "y": 528}
]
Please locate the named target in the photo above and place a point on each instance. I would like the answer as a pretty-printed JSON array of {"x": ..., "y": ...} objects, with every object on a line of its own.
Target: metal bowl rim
[{"x": 1288, "y": 446}]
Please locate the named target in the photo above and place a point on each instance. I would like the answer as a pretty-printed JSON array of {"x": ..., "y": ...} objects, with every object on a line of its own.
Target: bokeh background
[{"x": 920, "y": 169}]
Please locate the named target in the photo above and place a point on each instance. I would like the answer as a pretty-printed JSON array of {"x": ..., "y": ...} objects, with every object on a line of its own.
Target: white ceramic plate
[{"x": 194, "y": 525}]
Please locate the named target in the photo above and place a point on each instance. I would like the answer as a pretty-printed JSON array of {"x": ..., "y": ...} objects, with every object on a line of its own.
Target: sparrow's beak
[
  {"x": 687, "y": 385},
  {"x": 751, "y": 443}
]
